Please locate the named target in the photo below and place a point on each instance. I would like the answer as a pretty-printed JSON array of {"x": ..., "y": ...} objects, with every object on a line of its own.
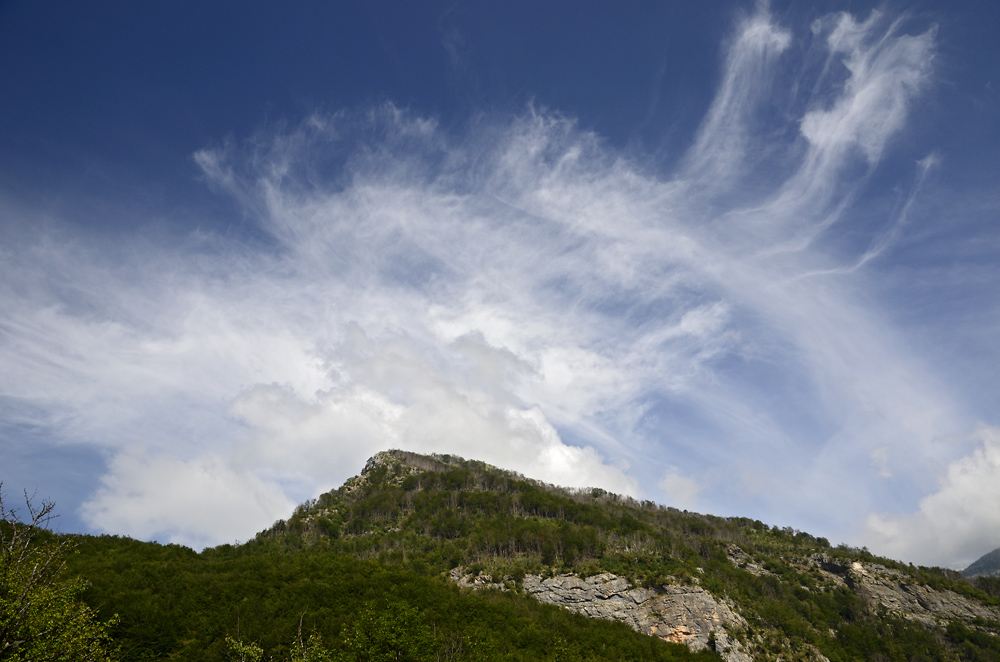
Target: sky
[{"x": 738, "y": 258}]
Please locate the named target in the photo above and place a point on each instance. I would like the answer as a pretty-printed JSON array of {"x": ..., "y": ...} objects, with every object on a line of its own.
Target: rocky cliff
[
  {"x": 899, "y": 594},
  {"x": 674, "y": 612}
]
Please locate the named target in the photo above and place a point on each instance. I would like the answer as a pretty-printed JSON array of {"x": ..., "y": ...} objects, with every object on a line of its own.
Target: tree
[
  {"x": 312, "y": 650},
  {"x": 241, "y": 652},
  {"x": 42, "y": 618},
  {"x": 387, "y": 630}
]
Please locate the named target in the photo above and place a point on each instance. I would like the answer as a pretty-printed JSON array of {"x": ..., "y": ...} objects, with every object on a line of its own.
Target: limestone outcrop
[
  {"x": 741, "y": 559},
  {"x": 895, "y": 591},
  {"x": 921, "y": 603},
  {"x": 674, "y": 612},
  {"x": 478, "y": 581}
]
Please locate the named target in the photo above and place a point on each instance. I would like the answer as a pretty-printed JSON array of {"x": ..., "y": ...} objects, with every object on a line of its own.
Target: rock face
[
  {"x": 692, "y": 616},
  {"x": 682, "y": 614},
  {"x": 481, "y": 580},
  {"x": 916, "y": 601},
  {"x": 892, "y": 589},
  {"x": 741, "y": 559}
]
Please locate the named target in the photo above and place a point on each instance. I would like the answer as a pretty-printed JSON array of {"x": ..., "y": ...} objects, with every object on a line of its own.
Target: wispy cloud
[{"x": 521, "y": 294}]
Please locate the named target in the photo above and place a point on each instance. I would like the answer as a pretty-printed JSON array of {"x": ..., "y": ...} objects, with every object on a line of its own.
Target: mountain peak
[{"x": 431, "y": 462}]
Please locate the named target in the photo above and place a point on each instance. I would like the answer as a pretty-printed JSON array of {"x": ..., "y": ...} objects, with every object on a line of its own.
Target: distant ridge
[{"x": 987, "y": 565}]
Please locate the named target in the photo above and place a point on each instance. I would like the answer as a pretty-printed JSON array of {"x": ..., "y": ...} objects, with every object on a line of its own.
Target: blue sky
[{"x": 740, "y": 259}]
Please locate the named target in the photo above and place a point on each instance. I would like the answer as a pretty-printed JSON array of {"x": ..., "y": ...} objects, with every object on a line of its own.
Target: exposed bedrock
[
  {"x": 921, "y": 603},
  {"x": 682, "y": 614}
]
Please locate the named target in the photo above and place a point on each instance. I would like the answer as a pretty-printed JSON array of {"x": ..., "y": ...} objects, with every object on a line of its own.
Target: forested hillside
[
  {"x": 449, "y": 558},
  {"x": 178, "y": 605}
]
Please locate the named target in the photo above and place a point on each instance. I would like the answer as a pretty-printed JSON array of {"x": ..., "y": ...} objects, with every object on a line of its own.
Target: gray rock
[
  {"x": 890, "y": 589},
  {"x": 690, "y": 615},
  {"x": 477, "y": 581},
  {"x": 681, "y": 614},
  {"x": 742, "y": 560}
]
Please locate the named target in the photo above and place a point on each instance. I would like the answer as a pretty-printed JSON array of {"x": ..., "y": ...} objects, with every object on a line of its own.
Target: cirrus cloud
[{"x": 520, "y": 293}]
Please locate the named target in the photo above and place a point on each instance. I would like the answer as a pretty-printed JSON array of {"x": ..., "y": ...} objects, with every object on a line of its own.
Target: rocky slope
[
  {"x": 899, "y": 594},
  {"x": 693, "y": 616}
]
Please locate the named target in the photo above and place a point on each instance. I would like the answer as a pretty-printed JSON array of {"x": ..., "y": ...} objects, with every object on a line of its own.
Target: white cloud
[
  {"x": 192, "y": 502},
  {"x": 681, "y": 491},
  {"x": 393, "y": 395},
  {"x": 724, "y": 139},
  {"x": 522, "y": 295},
  {"x": 880, "y": 461},
  {"x": 886, "y": 71},
  {"x": 956, "y": 524}
]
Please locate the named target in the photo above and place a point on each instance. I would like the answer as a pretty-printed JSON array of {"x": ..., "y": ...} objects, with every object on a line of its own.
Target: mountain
[
  {"x": 988, "y": 565},
  {"x": 464, "y": 561}
]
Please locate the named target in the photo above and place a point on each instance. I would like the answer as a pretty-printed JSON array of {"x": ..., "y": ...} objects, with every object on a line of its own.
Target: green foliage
[
  {"x": 312, "y": 650},
  {"x": 465, "y": 512},
  {"x": 387, "y": 630},
  {"x": 988, "y": 585},
  {"x": 974, "y": 645},
  {"x": 180, "y": 605},
  {"x": 242, "y": 652},
  {"x": 41, "y": 615}
]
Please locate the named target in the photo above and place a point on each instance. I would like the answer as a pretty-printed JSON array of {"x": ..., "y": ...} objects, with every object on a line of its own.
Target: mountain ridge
[
  {"x": 488, "y": 528},
  {"x": 987, "y": 565},
  {"x": 460, "y": 560}
]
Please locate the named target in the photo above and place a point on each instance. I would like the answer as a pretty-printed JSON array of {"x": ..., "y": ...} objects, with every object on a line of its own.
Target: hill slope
[
  {"x": 477, "y": 551},
  {"x": 988, "y": 565}
]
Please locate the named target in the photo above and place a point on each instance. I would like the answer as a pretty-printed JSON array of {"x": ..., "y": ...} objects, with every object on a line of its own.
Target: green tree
[
  {"x": 388, "y": 630},
  {"x": 312, "y": 650},
  {"x": 241, "y": 652},
  {"x": 42, "y": 618}
]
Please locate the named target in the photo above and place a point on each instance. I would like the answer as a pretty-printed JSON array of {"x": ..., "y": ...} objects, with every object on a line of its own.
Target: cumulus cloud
[
  {"x": 520, "y": 293},
  {"x": 193, "y": 502},
  {"x": 956, "y": 524},
  {"x": 681, "y": 491},
  {"x": 390, "y": 394}
]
